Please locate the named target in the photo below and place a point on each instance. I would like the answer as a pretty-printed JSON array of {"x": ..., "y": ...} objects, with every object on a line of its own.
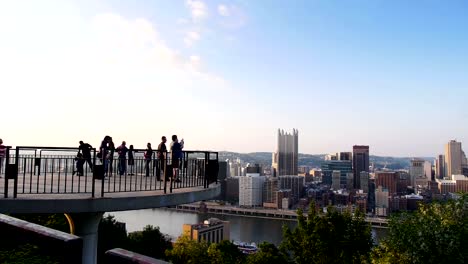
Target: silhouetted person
[
  {"x": 131, "y": 159},
  {"x": 122, "y": 151},
  {"x": 80, "y": 161},
  {"x": 161, "y": 157},
  {"x": 176, "y": 156},
  {"x": 148, "y": 156},
  {"x": 103, "y": 152},
  {"x": 111, "y": 156},
  {"x": 85, "y": 149},
  {"x": 2, "y": 154}
]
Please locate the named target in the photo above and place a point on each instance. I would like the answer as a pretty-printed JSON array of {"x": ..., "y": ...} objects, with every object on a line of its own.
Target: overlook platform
[{"x": 51, "y": 180}]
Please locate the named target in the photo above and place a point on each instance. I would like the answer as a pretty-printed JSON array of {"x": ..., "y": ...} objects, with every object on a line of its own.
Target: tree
[
  {"x": 225, "y": 252},
  {"x": 331, "y": 238},
  {"x": 150, "y": 242},
  {"x": 435, "y": 233},
  {"x": 268, "y": 254},
  {"x": 111, "y": 234},
  {"x": 186, "y": 250}
]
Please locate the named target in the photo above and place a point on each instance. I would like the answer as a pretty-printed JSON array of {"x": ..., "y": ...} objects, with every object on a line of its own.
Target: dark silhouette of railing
[{"x": 34, "y": 170}]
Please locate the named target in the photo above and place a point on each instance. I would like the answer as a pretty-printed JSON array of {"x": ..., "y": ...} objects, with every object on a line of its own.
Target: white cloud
[
  {"x": 233, "y": 17},
  {"x": 191, "y": 37},
  {"x": 75, "y": 72},
  {"x": 223, "y": 10},
  {"x": 198, "y": 9}
]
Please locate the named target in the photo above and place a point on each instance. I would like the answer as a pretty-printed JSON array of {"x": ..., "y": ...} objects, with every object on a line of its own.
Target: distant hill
[{"x": 313, "y": 160}]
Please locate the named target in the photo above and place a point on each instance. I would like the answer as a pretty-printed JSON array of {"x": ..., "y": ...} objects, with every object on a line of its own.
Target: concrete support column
[{"x": 86, "y": 226}]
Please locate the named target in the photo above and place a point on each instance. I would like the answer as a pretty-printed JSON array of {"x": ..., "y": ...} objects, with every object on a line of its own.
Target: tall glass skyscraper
[
  {"x": 360, "y": 163},
  {"x": 286, "y": 156}
]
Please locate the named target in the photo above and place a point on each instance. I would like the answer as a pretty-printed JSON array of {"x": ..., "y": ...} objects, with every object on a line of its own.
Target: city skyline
[{"x": 227, "y": 74}]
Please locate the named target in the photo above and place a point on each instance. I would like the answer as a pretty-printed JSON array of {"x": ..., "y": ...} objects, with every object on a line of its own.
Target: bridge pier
[{"x": 86, "y": 226}]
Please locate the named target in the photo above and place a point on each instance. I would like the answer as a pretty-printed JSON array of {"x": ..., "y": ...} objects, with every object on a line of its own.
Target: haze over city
[{"x": 226, "y": 75}]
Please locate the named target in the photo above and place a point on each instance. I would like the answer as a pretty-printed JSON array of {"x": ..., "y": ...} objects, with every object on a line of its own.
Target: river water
[{"x": 246, "y": 229}]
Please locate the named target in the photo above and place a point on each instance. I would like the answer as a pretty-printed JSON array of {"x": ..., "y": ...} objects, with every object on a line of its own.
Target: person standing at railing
[
  {"x": 148, "y": 156},
  {"x": 162, "y": 150},
  {"x": 122, "y": 151},
  {"x": 131, "y": 159},
  {"x": 80, "y": 161},
  {"x": 103, "y": 152},
  {"x": 85, "y": 150},
  {"x": 176, "y": 156},
  {"x": 2, "y": 155},
  {"x": 111, "y": 156}
]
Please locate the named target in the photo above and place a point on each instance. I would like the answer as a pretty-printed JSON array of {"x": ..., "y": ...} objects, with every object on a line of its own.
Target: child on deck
[{"x": 79, "y": 164}]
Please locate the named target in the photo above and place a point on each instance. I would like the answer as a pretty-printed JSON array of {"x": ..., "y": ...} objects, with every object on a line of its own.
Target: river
[{"x": 247, "y": 229}]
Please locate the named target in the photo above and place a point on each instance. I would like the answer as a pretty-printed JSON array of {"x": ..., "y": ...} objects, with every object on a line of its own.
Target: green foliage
[
  {"x": 268, "y": 254},
  {"x": 150, "y": 242},
  {"x": 111, "y": 234},
  {"x": 54, "y": 221},
  {"x": 225, "y": 252},
  {"x": 186, "y": 250},
  {"x": 332, "y": 238},
  {"x": 25, "y": 254},
  {"x": 435, "y": 233}
]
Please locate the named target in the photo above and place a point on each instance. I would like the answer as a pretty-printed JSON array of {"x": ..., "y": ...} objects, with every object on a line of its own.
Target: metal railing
[{"x": 34, "y": 170}]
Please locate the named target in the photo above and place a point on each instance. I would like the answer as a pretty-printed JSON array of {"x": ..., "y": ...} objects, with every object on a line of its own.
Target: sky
[{"x": 225, "y": 75}]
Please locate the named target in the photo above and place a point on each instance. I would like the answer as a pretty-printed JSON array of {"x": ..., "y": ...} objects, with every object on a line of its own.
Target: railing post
[
  {"x": 15, "y": 181},
  {"x": 93, "y": 184},
  {"x": 7, "y": 162},
  {"x": 164, "y": 171}
]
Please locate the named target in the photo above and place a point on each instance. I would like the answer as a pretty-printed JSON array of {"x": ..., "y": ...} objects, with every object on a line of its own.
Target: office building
[
  {"x": 417, "y": 172},
  {"x": 254, "y": 168},
  {"x": 386, "y": 180},
  {"x": 281, "y": 197},
  {"x": 212, "y": 230},
  {"x": 344, "y": 166},
  {"x": 423, "y": 181},
  {"x": 349, "y": 181},
  {"x": 440, "y": 167},
  {"x": 336, "y": 180},
  {"x": 447, "y": 186},
  {"x": 329, "y": 157},
  {"x": 270, "y": 189},
  {"x": 344, "y": 156},
  {"x": 232, "y": 189},
  {"x": 251, "y": 190},
  {"x": 285, "y": 159},
  {"x": 381, "y": 201},
  {"x": 360, "y": 162},
  {"x": 453, "y": 158},
  {"x": 364, "y": 181},
  {"x": 461, "y": 182},
  {"x": 293, "y": 183}
]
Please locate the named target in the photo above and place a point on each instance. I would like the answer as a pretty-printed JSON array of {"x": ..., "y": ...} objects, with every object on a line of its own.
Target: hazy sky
[{"x": 226, "y": 75}]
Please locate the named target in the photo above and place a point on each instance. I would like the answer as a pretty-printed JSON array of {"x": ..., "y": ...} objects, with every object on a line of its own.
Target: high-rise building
[
  {"x": 293, "y": 183},
  {"x": 381, "y": 201},
  {"x": 336, "y": 180},
  {"x": 453, "y": 158},
  {"x": 344, "y": 166},
  {"x": 251, "y": 190},
  {"x": 360, "y": 162},
  {"x": 212, "y": 230},
  {"x": 344, "y": 156},
  {"x": 270, "y": 187},
  {"x": 427, "y": 172},
  {"x": 387, "y": 180},
  {"x": 461, "y": 182},
  {"x": 232, "y": 189},
  {"x": 416, "y": 172},
  {"x": 364, "y": 181},
  {"x": 349, "y": 181},
  {"x": 285, "y": 159},
  {"x": 254, "y": 168},
  {"x": 440, "y": 167}
]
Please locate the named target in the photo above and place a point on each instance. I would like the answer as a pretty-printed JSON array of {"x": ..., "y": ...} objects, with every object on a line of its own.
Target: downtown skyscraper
[
  {"x": 453, "y": 158},
  {"x": 285, "y": 159},
  {"x": 360, "y": 163}
]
